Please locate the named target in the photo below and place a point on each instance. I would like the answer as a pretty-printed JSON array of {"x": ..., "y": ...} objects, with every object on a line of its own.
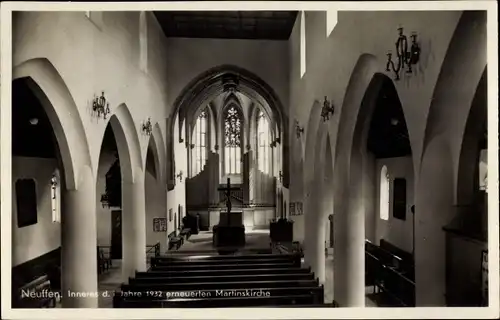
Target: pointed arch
[
  {"x": 127, "y": 142},
  {"x": 457, "y": 82},
  {"x": 51, "y": 90},
  {"x": 209, "y": 84}
]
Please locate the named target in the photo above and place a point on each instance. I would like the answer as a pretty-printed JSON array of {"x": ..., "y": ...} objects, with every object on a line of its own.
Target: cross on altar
[{"x": 227, "y": 191}]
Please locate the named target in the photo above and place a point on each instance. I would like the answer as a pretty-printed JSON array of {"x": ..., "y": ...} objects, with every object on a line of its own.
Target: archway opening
[
  {"x": 109, "y": 199},
  {"x": 381, "y": 186},
  {"x": 467, "y": 232},
  {"x": 38, "y": 176},
  {"x": 156, "y": 217}
]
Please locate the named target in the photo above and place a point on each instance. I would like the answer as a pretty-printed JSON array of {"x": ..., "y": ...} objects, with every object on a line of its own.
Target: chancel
[{"x": 308, "y": 155}]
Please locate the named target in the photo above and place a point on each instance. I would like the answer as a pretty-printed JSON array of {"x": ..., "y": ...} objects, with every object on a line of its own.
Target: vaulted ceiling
[
  {"x": 265, "y": 25},
  {"x": 32, "y": 134}
]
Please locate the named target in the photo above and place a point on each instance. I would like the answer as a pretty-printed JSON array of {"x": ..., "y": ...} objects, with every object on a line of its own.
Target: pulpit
[
  {"x": 281, "y": 230},
  {"x": 229, "y": 232}
]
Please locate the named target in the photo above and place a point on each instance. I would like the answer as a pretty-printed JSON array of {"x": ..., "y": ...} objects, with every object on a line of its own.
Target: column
[
  {"x": 349, "y": 235},
  {"x": 79, "y": 244},
  {"x": 355, "y": 237},
  {"x": 134, "y": 226},
  {"x": 314, "y": 252}
]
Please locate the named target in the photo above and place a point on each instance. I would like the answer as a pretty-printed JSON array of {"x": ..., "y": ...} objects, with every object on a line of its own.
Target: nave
[{"x": 253, "y": 168}]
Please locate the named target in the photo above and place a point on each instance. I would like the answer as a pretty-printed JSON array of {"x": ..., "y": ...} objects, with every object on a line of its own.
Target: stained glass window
[
  {"x": 263, "y": 143},
  {"x": 200, "y": 143},
  {"x": 232, "y": 140}
]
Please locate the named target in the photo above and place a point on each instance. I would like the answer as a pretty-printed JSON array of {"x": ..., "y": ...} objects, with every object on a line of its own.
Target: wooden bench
[
  {"x": 383, "y": 271},
  {"x": 167, "y": 273},
  {"x": 174, "y": 242},
  {"x": 36, "y": 294},
  {"x": 406, "y": 264},
  {"x": 185, "y": 233},
  {"x": 155, "y": 262},
  {"x": 397, "y": 287},
  {"x": 222, "y": 267},
  {"x": 221, "y": 278},
  {"x": 216, "y": 285},
  {"x": 201, "y": 257}
]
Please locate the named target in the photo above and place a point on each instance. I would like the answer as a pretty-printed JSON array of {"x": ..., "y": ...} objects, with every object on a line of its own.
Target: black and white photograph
[{"x": 325, "y": 156}]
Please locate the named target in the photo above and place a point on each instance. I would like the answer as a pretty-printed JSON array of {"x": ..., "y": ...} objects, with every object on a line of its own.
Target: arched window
[
  {"x": 384, "y": 194},
  {"x": 232, "y": 140},
  {"x": 302, "y": 44},
  {"x": 200, "y": 143},
  {"x": 55, "y": 195},
  {"x": 263, "y": 143}
]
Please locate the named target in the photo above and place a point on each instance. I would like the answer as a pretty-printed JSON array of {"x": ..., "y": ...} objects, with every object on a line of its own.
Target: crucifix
[{"x": 227, "y": 192}]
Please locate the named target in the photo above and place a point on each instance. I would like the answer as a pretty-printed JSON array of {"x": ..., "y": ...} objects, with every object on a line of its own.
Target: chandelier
[
  {"x": 405, "y": 58},
  {"x": 147, "y": 128},
  {"x": 298, "y": 129},
  {"x": 100, "y": 106},
  {"x": 327, "y": 109},
  {"x": 105, "y": 200}
]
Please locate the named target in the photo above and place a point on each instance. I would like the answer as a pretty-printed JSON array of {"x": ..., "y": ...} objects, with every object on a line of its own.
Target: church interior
[{"x": 173, "y": 159}]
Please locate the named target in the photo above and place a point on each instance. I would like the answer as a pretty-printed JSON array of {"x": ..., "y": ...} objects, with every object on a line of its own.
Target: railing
[{"x": 152, "y": 251}]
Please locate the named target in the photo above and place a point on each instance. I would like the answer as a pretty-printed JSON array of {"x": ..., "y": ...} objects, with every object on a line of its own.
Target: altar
[{"x": 230, "y": 232}]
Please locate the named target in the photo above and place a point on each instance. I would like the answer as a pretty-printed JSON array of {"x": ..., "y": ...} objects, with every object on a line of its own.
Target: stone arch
[
  {"x": 433, "y": 209},
  {"x": 159, "y": 143},
  {"x": 457, "y": 81},
  {"x": 155, "y": 146},
  {"x": 212, "y": 82},
  {"x": 127, "y": 142},
  {"x": 467, "y": 176},
  {"x": 62, "y": 111}
]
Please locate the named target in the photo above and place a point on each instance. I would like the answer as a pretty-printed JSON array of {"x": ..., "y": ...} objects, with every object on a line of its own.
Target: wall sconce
[
  {"x": 105, "y": 200},
  {"x": 147, "y": 128},
  {"x": 100, "y": 106},
  {"x": 405, "y": 58},
  {"x": 179, "y": 175},
  {"x": 298, "y": 129},
  {"x": 53, "y": 184},
  {"x": 192, "y": 145},
  {"x": 327, "y": 110}
]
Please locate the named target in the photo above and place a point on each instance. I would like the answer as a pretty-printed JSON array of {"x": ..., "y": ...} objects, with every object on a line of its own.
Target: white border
[{"x": 241, "y": 313}]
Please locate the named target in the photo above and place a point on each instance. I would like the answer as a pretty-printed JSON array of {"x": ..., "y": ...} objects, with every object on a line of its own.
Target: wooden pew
[
  {"x": 384, "y": 271},
  {"x": 216, "y": 285},
  {"x": 397, "y": 287},
  {"x": 406, "y": 264},
  {"x": 221, "y": 278},
  {"x": 190, "y": 258},
  {"x": 223, "y": 266},
  {"x": 36, "y": 294},
  {"x": 155, "y": 262},
  {"x": 174, "y": 242},
  {"x": 211, "y": 272}
]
